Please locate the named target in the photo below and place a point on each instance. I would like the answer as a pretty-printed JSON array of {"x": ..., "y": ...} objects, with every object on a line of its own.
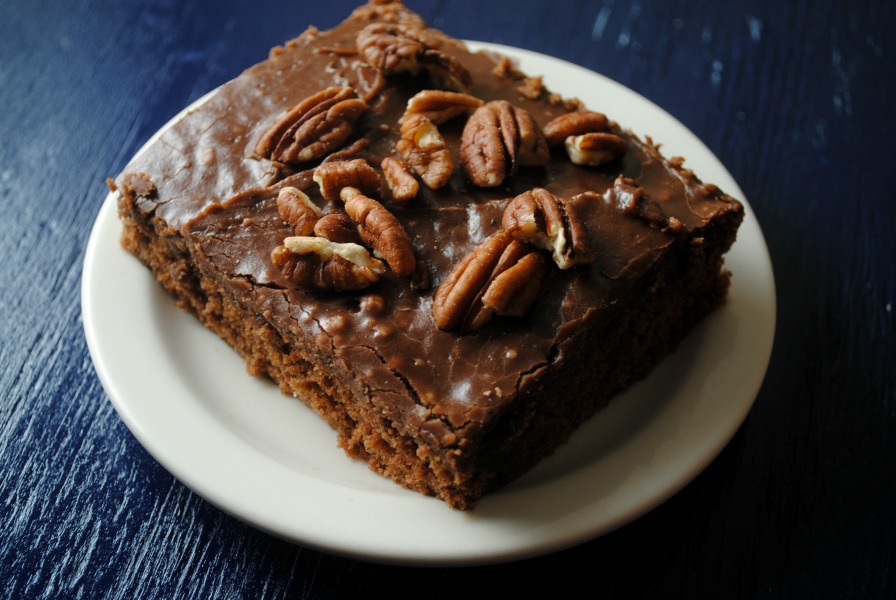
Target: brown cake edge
[
  {"x": 680, "y": 289},
  {"x": 298, "y": 371}
]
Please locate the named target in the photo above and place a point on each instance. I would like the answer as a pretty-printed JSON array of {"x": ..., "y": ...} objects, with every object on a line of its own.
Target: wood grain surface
[{"x": 797, "y": 100}]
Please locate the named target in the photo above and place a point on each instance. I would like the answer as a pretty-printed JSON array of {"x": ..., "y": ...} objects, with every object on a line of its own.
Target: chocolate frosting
[{"x": 206, "y": 182}]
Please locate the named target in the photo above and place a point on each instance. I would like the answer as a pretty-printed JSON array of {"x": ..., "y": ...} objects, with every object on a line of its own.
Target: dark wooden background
[{"x": 795, "y": 97}]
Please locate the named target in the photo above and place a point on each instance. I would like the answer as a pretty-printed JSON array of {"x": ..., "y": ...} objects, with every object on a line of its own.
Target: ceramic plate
[{"x": 266, "y": 459}]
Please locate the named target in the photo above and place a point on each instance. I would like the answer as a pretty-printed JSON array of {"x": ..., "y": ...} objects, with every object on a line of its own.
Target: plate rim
[{"x": 515, "y": 547}]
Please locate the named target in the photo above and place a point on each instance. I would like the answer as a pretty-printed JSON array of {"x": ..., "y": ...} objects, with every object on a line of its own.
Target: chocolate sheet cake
[{"x": 451, "y": 264}]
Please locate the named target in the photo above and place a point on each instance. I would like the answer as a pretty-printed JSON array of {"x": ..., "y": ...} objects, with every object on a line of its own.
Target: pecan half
[
  {"x": 399, "y": 179},
  {"x": 313, "y": 128},
  {"x": 424, "y": 150},
  {"x": 297, "y": 209},
  {"x": 381, "y": 231},
  {"x": 317, "y": 263},
  {"x": 500, "y": 276},
  {"x": 335, "y": 175},
  {"x": 574, "y": 123},
  {"x": 347, "y": 152},
  {"x": 440, "y": 105},
  {"x": 446, "y": 71},
  {"x": 546, "y": 221},
  {"x": 514, "y": 289},
  {"x": 391, "y": 48},
  {"x": 595, "y": 149},
  {"x": 397, "y": 48},
  {"x": 497, "y": 138},
  {"x": 337, "y": 227}
]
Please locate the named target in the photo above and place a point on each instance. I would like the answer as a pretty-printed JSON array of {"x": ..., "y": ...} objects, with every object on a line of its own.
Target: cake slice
[{"x": 449, "y": 263}]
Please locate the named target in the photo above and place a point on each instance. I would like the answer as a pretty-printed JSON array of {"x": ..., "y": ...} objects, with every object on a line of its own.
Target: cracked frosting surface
[{"x": 208, "y": 184}]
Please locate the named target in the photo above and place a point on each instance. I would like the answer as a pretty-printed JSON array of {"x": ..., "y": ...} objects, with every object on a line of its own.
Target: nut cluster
[
  {"x": 546, "y": 221},
  {"x": 313, "y": 128},
  {"x": 330, "y": 252},
  {"x": 353, "y": 246},
  {"x": 503, "y": 275},
  {"x": 321, "y": 264},
  {"x": 381, "y": 230},
  {"x": 397, "y": 48},
  {"x": 422, "y": 149}
]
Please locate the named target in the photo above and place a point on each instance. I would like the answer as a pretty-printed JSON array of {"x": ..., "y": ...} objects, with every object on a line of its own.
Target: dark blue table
[{"x": 795, "y": 98}]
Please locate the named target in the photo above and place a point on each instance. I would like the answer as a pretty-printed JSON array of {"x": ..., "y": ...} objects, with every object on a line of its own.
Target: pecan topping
[
  {"x": 381, "y": 231},
  {"x": 397, "y": 48},
  {"x": 317, "y": 263},
  {"x": 574, "y": 123},
  {"x": 402, "y": 183},
  {"x": 506, "y": 69},
  {"x": 425, "y": 151},
  {"x": 626, "y": 194},
  {"x": 446, "y": 71},
  {"x": 515, "y": 288},
  {"x": 531, "y": 88},
  {"x": 497, "y": 138},
  {"x": 337, "y": 227},
  {"x": 347, "y": 152},
  {"x": 439, "y": 105},
  {"x": 338, "y": 174},
  {"x": 594, "y": 149},
  {"x": 630, "y": 197},
  {"x": 500, "y": 276},
  {"x": 545, "y": 221},
  {"x": 297, "y": 209},
  {"x": 313, "y": 128},
  {"x": 391, "y": 48}
]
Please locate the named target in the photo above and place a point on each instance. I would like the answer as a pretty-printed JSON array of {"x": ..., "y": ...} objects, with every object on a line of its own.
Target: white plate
[{"x": 266, "y": 459}]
